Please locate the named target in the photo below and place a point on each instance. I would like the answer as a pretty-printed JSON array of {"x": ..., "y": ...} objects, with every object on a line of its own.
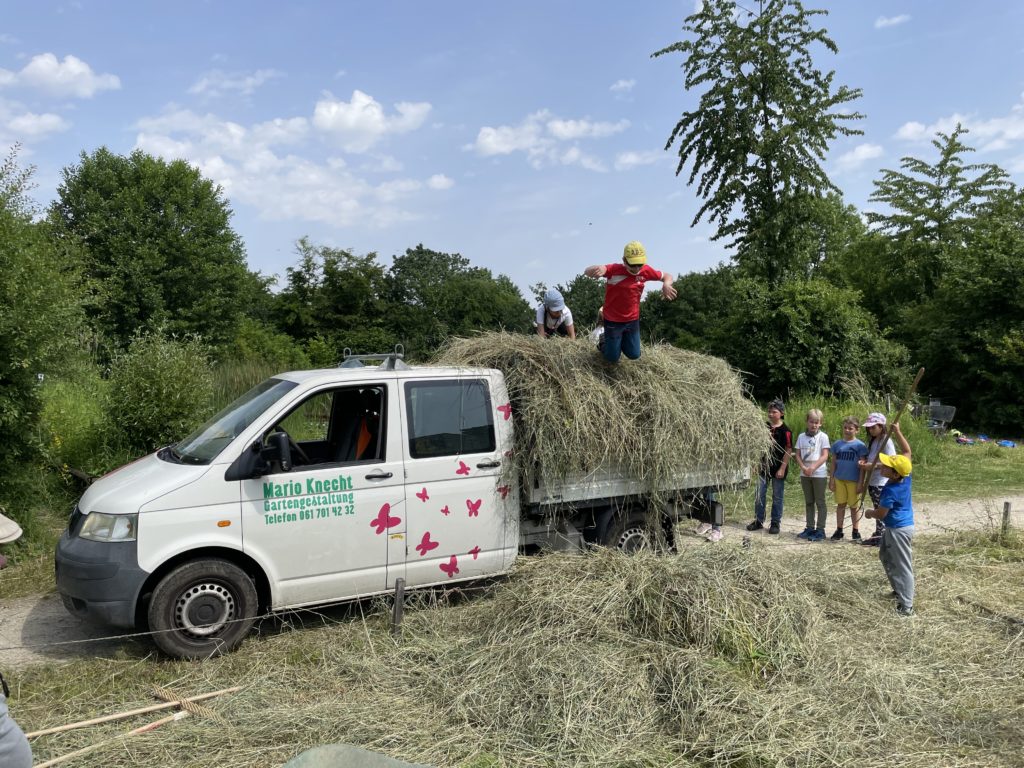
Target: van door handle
[
  {"x": 488, "y": 464},
  {"x": 378, "y": 475}
]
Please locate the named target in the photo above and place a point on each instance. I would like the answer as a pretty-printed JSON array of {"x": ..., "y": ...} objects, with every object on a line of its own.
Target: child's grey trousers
[{"x": 896, "y": 558}]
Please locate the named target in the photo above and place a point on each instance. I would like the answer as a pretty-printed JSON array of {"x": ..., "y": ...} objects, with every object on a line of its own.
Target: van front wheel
[{"x": 202, "y": 608}]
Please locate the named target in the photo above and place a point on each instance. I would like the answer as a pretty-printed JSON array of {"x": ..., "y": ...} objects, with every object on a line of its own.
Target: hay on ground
[{"x": 671, "y": 411}]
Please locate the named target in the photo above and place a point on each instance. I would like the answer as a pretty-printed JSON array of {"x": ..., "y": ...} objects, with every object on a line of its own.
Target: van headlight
[{"x": 102, "y": 527}]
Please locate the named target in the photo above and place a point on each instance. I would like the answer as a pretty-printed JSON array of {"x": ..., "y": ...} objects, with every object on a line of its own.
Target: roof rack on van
[{"x": 389, "y": 361}]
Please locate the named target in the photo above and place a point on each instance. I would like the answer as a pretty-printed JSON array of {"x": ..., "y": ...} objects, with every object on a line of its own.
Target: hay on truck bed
[{"x": 670, "y": 411}]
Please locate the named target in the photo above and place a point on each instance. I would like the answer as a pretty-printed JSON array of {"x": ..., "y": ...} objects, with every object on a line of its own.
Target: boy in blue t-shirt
[
  {"x": 897, "y": 511},
  {"x": 844, "y": 476}
]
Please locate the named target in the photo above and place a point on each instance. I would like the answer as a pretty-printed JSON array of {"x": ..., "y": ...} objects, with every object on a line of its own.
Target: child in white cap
[{"x": 877, "y": 443}]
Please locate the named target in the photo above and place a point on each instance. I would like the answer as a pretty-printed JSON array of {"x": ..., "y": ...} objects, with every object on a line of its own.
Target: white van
[{"x": 323, "y": 486}]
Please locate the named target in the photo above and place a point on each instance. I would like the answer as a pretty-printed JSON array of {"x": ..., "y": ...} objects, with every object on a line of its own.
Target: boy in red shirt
[{"x": 622, "y": 292}]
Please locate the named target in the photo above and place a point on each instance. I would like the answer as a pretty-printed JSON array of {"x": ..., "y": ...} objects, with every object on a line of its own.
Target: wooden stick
[
  {"x": 133, "y": 732},
  {"x": 122, "y": 715},
  {"x": 888, "y": 434}
]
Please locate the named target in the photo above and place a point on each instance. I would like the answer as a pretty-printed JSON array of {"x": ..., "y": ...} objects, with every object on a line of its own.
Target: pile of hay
[
  {"x": 718, "y": 656},
  {"x": 670, "y": 411}
]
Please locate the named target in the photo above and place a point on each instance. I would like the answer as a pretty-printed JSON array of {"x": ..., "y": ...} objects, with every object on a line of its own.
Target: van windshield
[{"x": 204, "y": 445}]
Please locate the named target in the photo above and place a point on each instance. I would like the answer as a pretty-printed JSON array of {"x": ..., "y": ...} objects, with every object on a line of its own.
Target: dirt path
[{"x": 38, "y": 629}]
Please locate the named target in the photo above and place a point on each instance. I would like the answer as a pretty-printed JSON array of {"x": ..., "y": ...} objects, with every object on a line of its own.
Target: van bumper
[{"x": 99, "y": 581}]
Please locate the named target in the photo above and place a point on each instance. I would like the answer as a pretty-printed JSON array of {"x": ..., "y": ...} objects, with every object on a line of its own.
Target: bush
[
  {"x": 160, "y": 390},
  {"x": 806, "y": 335},
  {"x": 256, "y": 342}
]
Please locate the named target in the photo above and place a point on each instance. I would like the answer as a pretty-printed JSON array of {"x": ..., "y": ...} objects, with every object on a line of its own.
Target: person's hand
[
  {"x": 896, "y": 428},
  {"x": 832, "y": 484},
  {"x": 869, "y": 513},
  {"x": 863, "y": 463},
  {"x": 781, "y": 473},
  {"x": 860, "y": 488},
  {"x": 668, "y": 292}
]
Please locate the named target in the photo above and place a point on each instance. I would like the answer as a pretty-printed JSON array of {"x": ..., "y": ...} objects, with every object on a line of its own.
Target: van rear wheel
[
  {"x": 630, "y": 534},
  {"x": 202, "y": 608}
]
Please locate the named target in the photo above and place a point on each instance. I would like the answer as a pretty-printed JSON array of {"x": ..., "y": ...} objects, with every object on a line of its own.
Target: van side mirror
[{"x": 278, "y": 450}]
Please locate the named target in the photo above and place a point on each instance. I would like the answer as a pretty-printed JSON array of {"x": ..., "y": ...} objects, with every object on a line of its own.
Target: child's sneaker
[
  {"x": 702, "y": 529},
  {"x": 855, "y": 536},
  {"x": 902, "y": 610},
  {"x": 817, "y": 535},
  {"x": 774, "y": 529},
  {"x": 757, "y": 525},
  {"x": 714, "y": 535},
  {"x": 837, "y": 535},
  {"x": 806, "y": 533}
]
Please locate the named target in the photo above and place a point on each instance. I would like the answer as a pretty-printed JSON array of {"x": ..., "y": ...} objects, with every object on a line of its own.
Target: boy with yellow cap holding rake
[
  {"x": 897, "y": 512},
  {"x": 622, "y": 291}
]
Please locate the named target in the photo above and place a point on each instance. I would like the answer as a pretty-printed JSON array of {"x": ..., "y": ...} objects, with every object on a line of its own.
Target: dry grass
[
  {"x": 718, "y": 656},
  {"x": 670, "y": 410}
]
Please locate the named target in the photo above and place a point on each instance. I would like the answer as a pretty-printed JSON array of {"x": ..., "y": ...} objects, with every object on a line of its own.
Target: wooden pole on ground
[
  {"x": 133, "y": 732},
  {"x": 132, "y": 713},
  {"x": 1004, "y": 530}
]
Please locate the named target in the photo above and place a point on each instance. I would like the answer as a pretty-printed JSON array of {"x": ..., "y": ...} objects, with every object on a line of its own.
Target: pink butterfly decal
[
  {"x": 473, "y": 507},
  {"x": 451, "y": 567},
  {"x": 463, "y": 468},
  {"x": 506, "y": 410},
  {"x": 383, "y": 521},
  {"x": 426, "y": 544},
  {"x": 503, "y": 490},
  {"x": 445, "y": 511},
  {"x": 422, "y": 495},
  {"x": 474, "y": 552}
]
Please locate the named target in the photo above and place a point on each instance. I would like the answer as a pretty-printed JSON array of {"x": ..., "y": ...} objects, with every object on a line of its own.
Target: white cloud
[
  {"x": 985, "y": 134},
  {"x": 360, "y": 123},
  {"x": 217, "y": 82},
  {"x": 625, "y": 161},
  {"x": 260, "y": 165},
  {"x": 891, "y": 21},
  {"x": 856, "y": 157},
  {"x": 440, "y": 181},
  {"x": 566, "y": 130},
  {"x": 540, "y": 136},
  {"x": 622, "y": 86},
  {"x": 629, "y": 210},
  {"x": 70, "y": 77},
  {"x": 33, "y": 126}
]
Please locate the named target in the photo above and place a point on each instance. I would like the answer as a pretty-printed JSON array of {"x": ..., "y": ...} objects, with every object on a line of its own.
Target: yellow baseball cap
[
  {"x": 634, "y": 253},
  {"x": 898, "y": 462}
]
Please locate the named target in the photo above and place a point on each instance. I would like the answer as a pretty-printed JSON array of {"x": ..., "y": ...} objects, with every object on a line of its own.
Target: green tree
[
  {"x": 40, "y": 313},
  {"x": 157, "y": 243},
  {"x": 695, "y": 319},
  {"x": 969, "y": 334},
  {"x": 805, "y": 335},
  {"x": 584, "y": 296},
  {"x": 758, "y": 136},
  {"x": 435, "y": 295},
  {"x": 335, "y": 296},
  {"x": 932, "y": 207}
]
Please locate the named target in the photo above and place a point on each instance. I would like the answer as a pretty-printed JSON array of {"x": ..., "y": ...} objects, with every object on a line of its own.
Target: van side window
[
  {"x": 449, "y": 418},
  {"x": 337, "y": 426}
]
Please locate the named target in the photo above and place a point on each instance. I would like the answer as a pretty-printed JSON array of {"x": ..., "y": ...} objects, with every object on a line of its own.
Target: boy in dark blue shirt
[{"x": 897, "y": 512}]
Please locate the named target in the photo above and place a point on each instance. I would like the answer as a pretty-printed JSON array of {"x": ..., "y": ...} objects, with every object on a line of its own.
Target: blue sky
[{"x": 528, "y": 136}]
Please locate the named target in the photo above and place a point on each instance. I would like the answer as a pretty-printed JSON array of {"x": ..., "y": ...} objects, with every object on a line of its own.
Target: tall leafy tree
[
  {"x": 757, "y": 138},
  {"x": 931, "y": 209},
  {"x": 158, "y": 245},
  {"x": 969, "y": 334}
]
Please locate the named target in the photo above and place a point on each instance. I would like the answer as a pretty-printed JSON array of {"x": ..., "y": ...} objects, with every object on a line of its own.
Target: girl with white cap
[{"x": 878, "y": 443}]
